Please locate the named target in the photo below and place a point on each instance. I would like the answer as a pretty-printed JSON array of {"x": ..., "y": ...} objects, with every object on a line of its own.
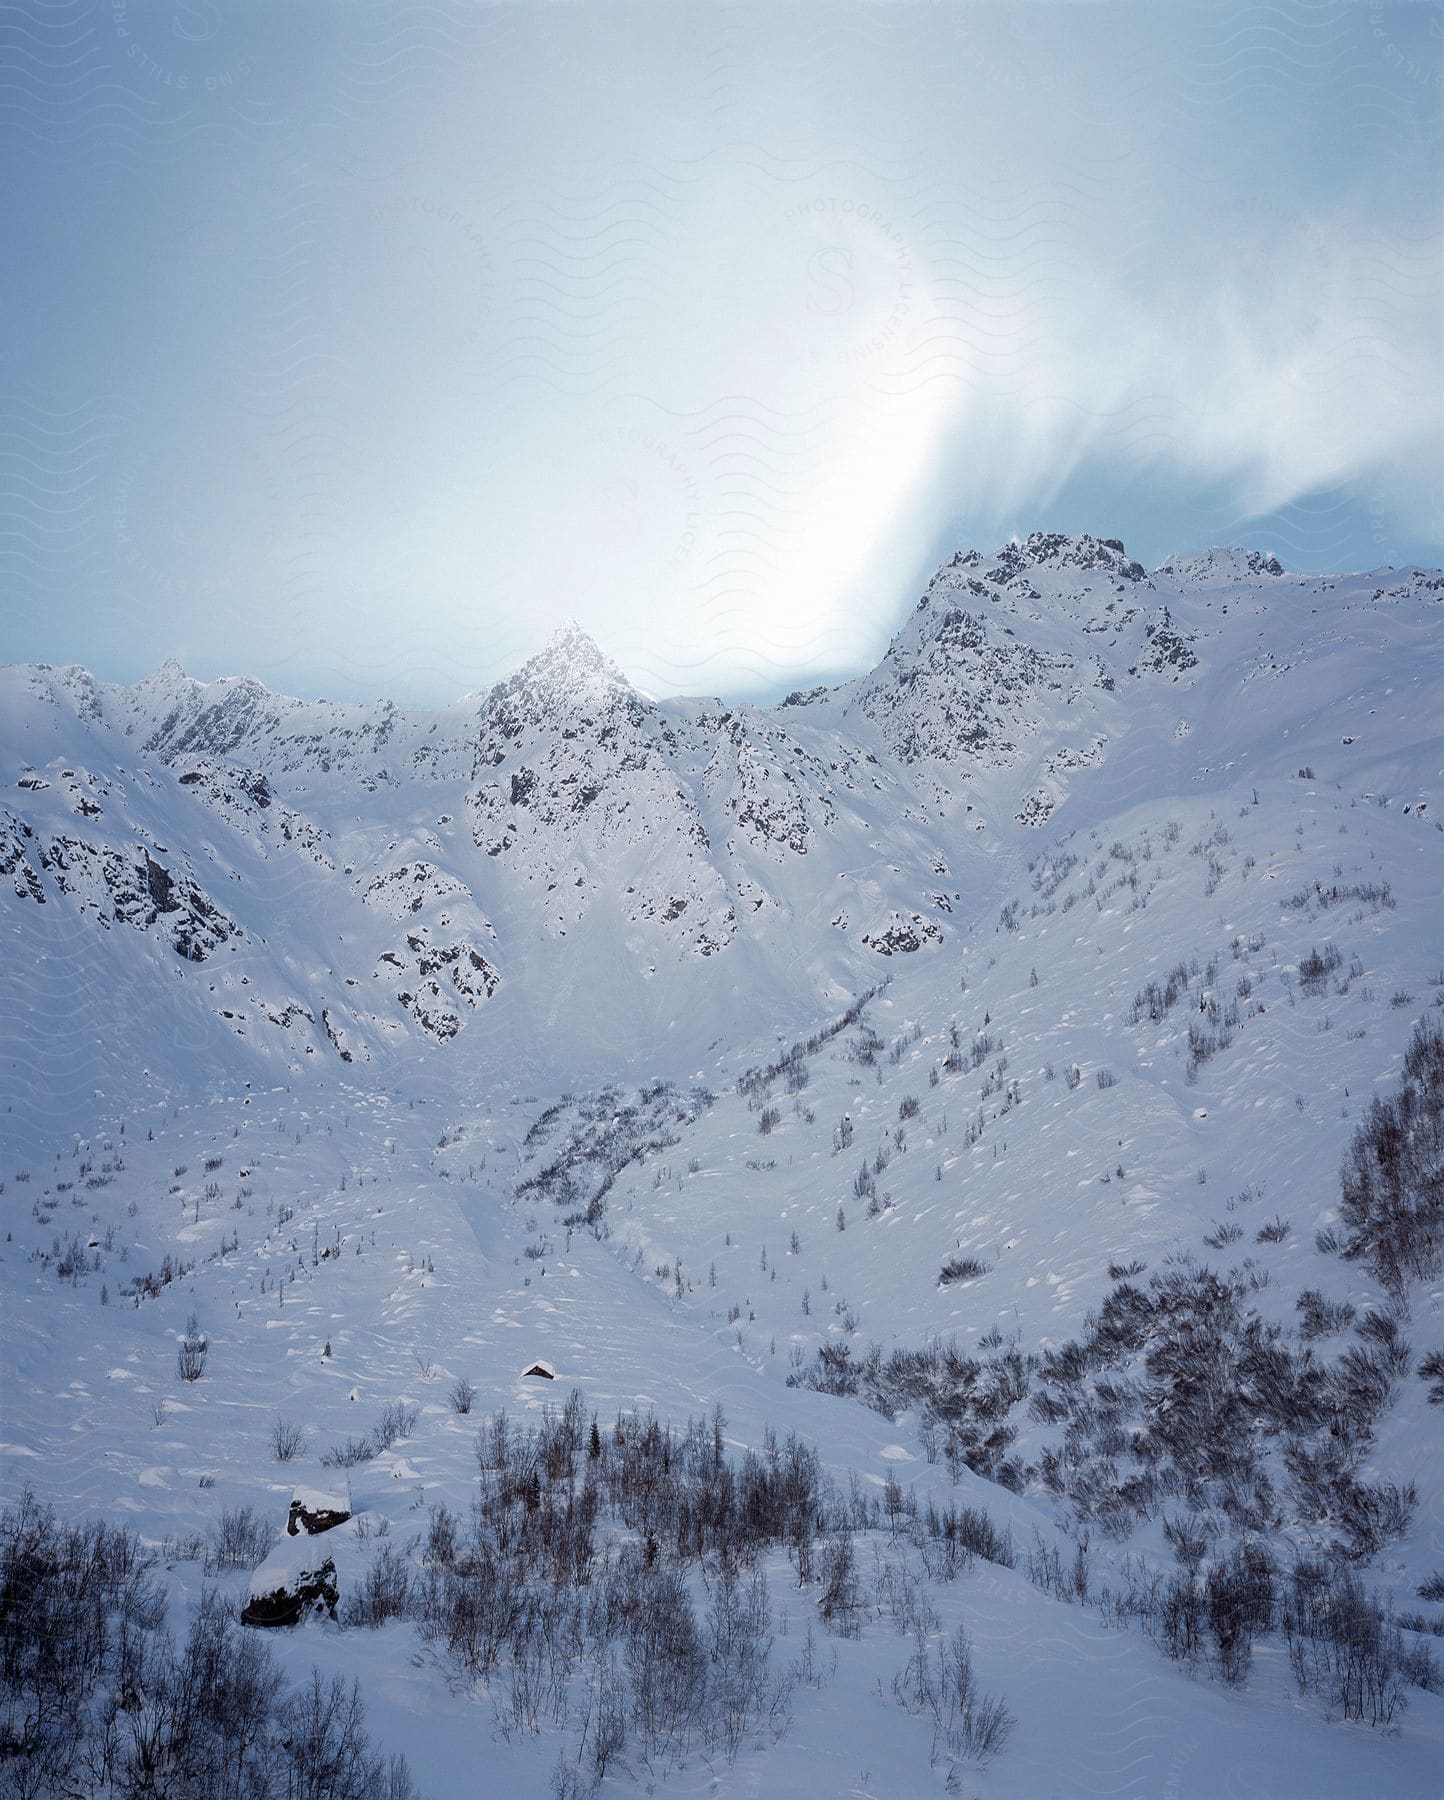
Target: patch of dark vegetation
[
  {"x": 943, "y": 1688},
  {"x": 1180, "y": 1393},
  {"x": 965, "y": 1402},
  {"x": 1316, "y": 967},
  {"x": 961, "y": 1268},
  {"x": 569, "y": 1587},
  {"x": 1154, "y": 1002},
  {"x": 98, "y": 1698},
  {"x": 1320, "y": 898},
  {"x": 154, "y": 1282},
  {"x": 1229, "y": 1232},
  {"x": 752, "y": 1082},
  {"x": 1345, "y": 1648},
  {"x": 1392, "y": 1207},
  {"x": 1320, "y": 1316},
  {"x": 605, "y": 1134},
  {"x": 1216, "y": 1034},
  {"x": 397, "y": 1421}
]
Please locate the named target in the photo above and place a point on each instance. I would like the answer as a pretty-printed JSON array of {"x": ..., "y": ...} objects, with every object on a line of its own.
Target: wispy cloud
[{"x": 359, "y": 348}]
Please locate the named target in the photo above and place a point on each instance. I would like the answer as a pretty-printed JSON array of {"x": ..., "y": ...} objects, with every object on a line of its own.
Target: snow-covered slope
[
  {"x": 566, "y": 859},
  {"x": 1041, "y": 976}
]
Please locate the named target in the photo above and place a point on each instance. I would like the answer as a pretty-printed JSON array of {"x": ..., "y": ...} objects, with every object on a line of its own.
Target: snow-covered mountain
[
  {"x": 290, "y": 880},
  {"x": 962, "y": 1068}
]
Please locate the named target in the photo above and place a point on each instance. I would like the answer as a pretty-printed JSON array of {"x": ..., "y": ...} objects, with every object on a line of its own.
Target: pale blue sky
[{"x": 356, "y": 347}]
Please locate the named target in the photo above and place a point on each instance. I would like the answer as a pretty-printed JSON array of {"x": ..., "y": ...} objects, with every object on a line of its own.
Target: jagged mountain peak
[
  {"x": 567, "y": 689},
  {"x": 171, "y": 674},
  {"x": 1061, "y": 551},
  {"x": 570, "y": 667},
  {"x": 570, "y": 636},
  {"x": 1220, "y": 564},
  {"x": 1058, "y": 550}
]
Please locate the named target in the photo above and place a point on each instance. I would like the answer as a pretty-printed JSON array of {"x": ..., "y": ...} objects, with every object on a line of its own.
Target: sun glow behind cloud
[{"x": 713, "y": 330}]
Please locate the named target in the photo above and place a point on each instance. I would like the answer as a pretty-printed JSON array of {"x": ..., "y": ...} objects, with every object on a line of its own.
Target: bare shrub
[
  {"x": 1316, "y": 967},
  {"x": 288, "y": 1439},
  {"x": 840, "y": 1602},
  {"x": 943, "y": 1687},
  {"x": 191, "y": 1353},
  {"x": 240, "y": 1540},
  {"x": 383, "y": 1593},
  {"x": 397, "y": 1421},
  {"x": 1321, "y": 1317},
  {"x": 346, "y": 1455},
  {"x": 1343, "y": 1646},
  {"x": 961, "y": 1268}
]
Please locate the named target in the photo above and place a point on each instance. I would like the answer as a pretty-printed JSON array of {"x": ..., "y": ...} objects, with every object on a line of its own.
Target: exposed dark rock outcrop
[{"x": 305, "y": 1588}]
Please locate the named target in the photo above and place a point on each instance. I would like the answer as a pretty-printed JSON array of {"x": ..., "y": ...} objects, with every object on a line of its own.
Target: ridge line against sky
[
  {"x": 569, "y": 628},
  {"x": 355, "y": 348}
]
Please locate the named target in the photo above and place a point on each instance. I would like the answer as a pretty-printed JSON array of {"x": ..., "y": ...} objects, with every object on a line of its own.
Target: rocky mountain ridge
[{"x": 363, "y": 881}]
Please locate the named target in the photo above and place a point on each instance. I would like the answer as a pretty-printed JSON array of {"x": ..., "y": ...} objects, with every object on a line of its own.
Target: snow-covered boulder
[
  {"x": 313, "y": 1512},
  {"x": 296, "y": 1579}
]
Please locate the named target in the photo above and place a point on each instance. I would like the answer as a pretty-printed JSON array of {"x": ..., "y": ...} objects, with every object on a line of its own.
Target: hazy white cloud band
[{"x": 357, "y": 349}]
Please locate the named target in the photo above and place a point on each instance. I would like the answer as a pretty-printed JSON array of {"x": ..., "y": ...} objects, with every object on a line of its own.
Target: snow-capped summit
[
  {"x": 569, "y": 679},
  {"x": 1056, "y": 550},
  {"x": 573, "y": 665},
  {"x": 571, "y": 657},
  {"x": 1219, "y": 565},
  {"x": 572, "y": 637}
]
